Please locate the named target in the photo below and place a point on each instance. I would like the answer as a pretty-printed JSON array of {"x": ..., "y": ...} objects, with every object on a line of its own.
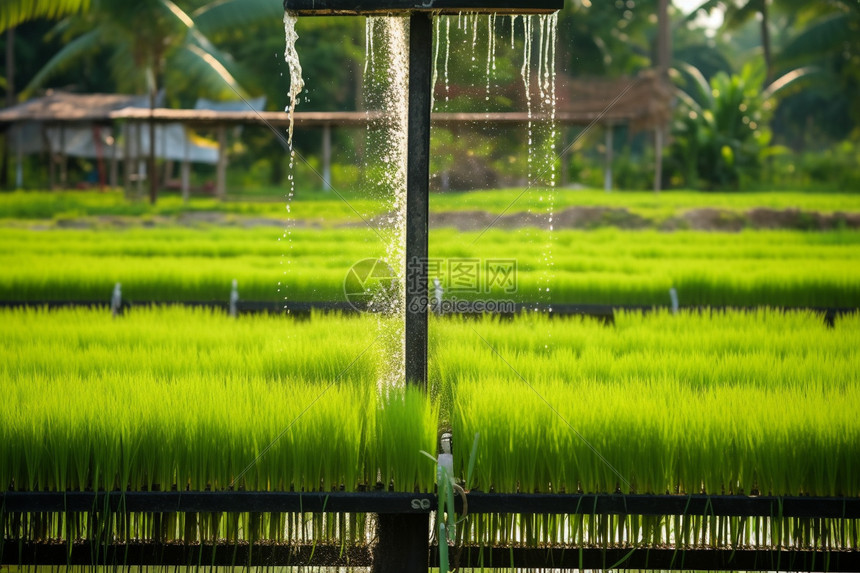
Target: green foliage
[
  {"x": 826, "y": 35},
  {"x": 607, "y": 38},
  {"x": 16, "y": 12},
  {"x": 721, "y": 134},
  {"x": 836, "y": 168},
  {"x": 149, "y": 39}
]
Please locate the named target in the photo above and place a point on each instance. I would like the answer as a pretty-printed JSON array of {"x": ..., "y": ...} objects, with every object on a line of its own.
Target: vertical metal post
[
  {"x": 403, "y": 544},
  {"x": 404, "y": 540},
  {"x": 417, "y": 196}
]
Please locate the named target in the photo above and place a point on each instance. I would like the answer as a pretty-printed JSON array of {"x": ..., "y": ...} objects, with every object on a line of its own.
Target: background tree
[
  {"x": 825, "y": 36},
  {"x": 13, "y": 13},
  {"x": 148, "y": 44}
]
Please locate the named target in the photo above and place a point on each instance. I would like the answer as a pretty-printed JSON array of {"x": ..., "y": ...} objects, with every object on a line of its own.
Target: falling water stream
[
  {"x": 296, "y": 84},
  {"x": 386, "y": 72}
]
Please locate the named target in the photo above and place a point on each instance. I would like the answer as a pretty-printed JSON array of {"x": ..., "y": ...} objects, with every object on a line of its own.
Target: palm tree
[
  {"x": 827, "y": 37},
  {"x": 14, "y": 13},
  {"x": 150, "y": 39},
  {"x": 738, "y": 13}
]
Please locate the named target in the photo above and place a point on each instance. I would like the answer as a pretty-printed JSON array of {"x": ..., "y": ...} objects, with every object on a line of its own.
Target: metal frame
[
  {"x": 380, "y": 501},
  {"x": 409, "y": 512},
  {"x": 401, "y": 7}
]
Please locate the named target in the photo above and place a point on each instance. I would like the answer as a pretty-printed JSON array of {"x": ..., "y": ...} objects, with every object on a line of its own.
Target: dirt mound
[
  {"x": 713, "y": 220},
  {"x": 570, "y": 218},
  {"x": 802, "y": 220},
  {"x": 704, "y": 219}
]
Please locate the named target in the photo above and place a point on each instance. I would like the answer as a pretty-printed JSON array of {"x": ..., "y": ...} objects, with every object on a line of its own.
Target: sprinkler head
[
  {"x": 446, "y": 442},
  {"x": 406, "y": 7}
]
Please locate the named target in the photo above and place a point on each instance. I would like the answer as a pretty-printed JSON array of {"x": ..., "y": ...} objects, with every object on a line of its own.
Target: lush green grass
[
  {"x": 351, "y": 205},
  {"x": 646, "y": 203},
  {"x": 64, "y": 205},
  {"x": 608, "y": 266},
  {"x": 734, "y": 402}
]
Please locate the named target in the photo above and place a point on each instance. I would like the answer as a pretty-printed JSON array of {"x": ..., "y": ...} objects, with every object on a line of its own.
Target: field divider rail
[{"x": 416, "y": 503}]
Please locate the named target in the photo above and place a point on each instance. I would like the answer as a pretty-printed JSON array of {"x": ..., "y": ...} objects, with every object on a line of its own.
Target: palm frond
[
  {"x": 80, "y": 46},
  {"x": 206, "y": 71},
  {"x": 737, "y": 16},
  {"x": 791, "y": 80},
  {"x": 820, "y": 38},
  {"x": 693, "y": 83},
  {"x": 707, "y": 6},
  {"x": 15, "y": 12},
  {"x": 129, "y": 79},
  {"x": 222, "y": 14}
]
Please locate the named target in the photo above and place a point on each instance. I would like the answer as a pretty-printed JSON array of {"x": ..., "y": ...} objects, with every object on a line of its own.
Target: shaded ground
[
  {"x": 695, "y": 219},
  {"x": 702, "y": 219}
]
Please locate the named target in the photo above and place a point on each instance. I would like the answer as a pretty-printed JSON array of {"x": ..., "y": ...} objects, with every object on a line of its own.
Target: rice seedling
[
  {"x": 182, "y": 399},
  {"x": 721, "y": 403},
  {"x": 757, "y": 402},
  {"x": 601, "y": 267},
  {"x": 319, "y": 207},
  {"x": 716, "y": 403}
]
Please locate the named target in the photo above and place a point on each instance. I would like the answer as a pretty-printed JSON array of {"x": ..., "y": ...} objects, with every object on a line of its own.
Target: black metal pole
[
  {"x": 417, "y": 192},
  {"x": 404, "y": 540}
]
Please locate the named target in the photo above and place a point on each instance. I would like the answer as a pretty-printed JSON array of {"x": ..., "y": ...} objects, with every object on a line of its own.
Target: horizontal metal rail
[
  {"x": 400, "y": 503},
  {"x": 228, "y": 501},
  {"x": 605, "y": 311},
  {"x": 111, "y": 552}
]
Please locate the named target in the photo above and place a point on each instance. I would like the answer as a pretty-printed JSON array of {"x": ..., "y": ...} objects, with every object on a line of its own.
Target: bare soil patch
[{"x": 702, "y": 219}]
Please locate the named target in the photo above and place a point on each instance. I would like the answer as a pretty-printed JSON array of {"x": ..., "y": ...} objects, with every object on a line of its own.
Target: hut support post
[
  {"x": 19, "y": 157},
  {"x": 607, "y": 168},
  {"x": 565, "y": 158},
  {"x": 64, "y": 164},
  {"x": 658, "y": 158},
  {"x": 186, "y": 166},
  {"x": 113, "y": 177},
  {"x": 127, "y": 162},
  {"x": 52, "y": 177},
  {"x": 138, "y": 157},
  {"x": 326, "y": 156},
  {"x": 221, "y": 169}
]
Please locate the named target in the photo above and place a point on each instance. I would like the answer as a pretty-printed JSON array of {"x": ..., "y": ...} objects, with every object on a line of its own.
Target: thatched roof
[
  {"x": 68, "y": 107},
  {"x": 643, "y": 102},
  {"x": 207, "y": 117}
]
